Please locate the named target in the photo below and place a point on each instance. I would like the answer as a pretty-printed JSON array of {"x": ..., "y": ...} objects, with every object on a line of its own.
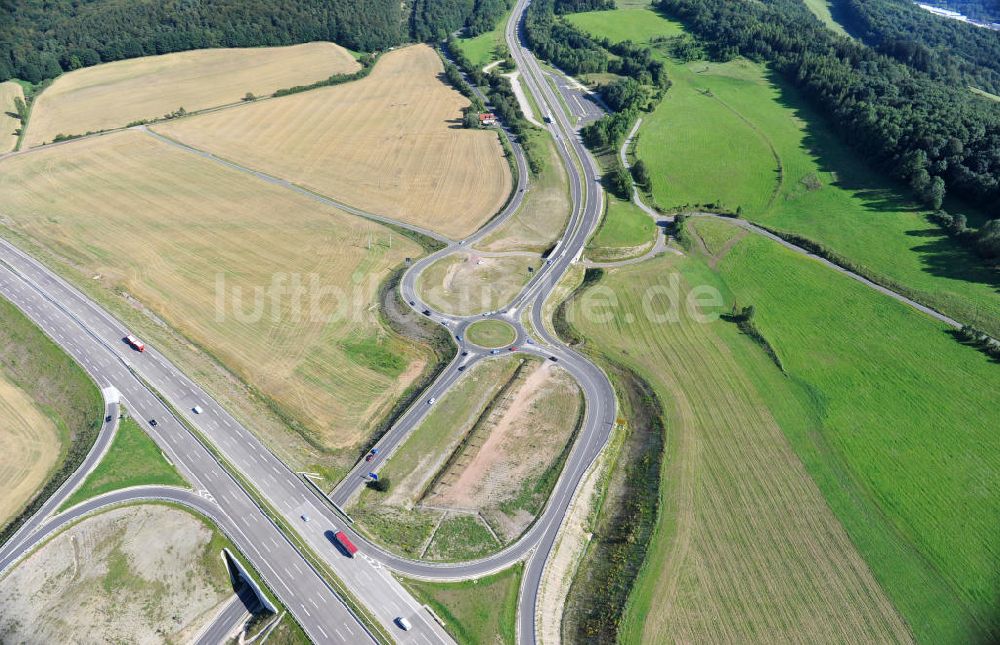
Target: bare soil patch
[
  {"x": 140, "y": 574},
  {"x": 472, "y": 283},
  {"x": 511, "y": 449}
]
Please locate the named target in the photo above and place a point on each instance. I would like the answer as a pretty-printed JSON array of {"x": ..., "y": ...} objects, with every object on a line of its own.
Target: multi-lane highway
[{"x": 241, "y": 485}]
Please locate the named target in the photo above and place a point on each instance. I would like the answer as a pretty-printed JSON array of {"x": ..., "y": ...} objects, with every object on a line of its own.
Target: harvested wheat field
[
  {"x": 471, "y": 283},
  {"x": 391, "y": 143},
  {"x": 113, "y": 95},
  {"x": 139, "y": 574},
  {"x": 8, "y": 124},
  {"x": 29, "y": 449},
  {"x": 278, "y": 286}
]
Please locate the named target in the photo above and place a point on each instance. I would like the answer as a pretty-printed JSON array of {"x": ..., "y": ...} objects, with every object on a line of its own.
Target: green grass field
[
  {"x": 133, "y": 459},
  {"x": 479, "y": 49},
  {"x": 892, "y": 427},
  {"x": 490, "y": 333},
  {"x": 910, "y": 415},
  {"x": 821, "y": 9},
  {"x": 625, "y": 231},
  {"x": 734, "y": 135},
  {"x": 475, "y": 611},
  {"x": 60, "y": 389}
]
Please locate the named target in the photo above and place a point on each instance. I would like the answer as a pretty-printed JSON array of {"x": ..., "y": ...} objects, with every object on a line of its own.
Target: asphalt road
[
  {"x": 97, "y": 452},
  {"x": 94, "y": 338},
  {"x": 600, "y": 412},
  {"x": 225, "y": 623}
]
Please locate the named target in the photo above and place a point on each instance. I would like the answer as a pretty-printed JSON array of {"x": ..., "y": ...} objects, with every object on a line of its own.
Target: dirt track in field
[
  {"x": 115, "y": 94},
  {"x": 279, "y": 287},
  {"x": 391, "y": 143}
]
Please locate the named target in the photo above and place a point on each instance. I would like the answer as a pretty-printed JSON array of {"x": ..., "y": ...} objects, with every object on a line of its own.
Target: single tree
[{"x": 640, "y": 173}]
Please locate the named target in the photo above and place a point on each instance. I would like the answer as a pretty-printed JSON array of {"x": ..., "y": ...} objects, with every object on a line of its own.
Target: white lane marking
[{"x": 322, "y": 631}]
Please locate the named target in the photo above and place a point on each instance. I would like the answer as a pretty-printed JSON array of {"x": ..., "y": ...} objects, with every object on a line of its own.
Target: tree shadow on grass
[
  {"x": 941, "y": 255},
  {"x": 945, "y": 257}
]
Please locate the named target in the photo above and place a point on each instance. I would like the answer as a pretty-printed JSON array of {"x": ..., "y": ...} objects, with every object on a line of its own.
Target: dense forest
[
  {"x": 47, "y": 37},
  {"x": 937, "y": 136},
  {"x": 948, "y": 50},
  {"x": 437, "y": 19},
  {"x": 40, "y": 39},
  {"x": 573, "y": 6}
]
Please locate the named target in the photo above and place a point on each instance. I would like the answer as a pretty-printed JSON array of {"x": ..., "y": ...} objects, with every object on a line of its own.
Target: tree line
[
  {"x": 40, "y": 39},
  {"x": 47, "y": 37},
  {"x": 949, "y": 50},
  {"x": 936, "y": 136},
  {"x": 500, "y": 94}
]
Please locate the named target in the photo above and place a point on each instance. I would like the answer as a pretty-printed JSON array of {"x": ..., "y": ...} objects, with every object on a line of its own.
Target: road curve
[
  {"x": 94, "y": 339},
  {"x": 92, "y": 336}
]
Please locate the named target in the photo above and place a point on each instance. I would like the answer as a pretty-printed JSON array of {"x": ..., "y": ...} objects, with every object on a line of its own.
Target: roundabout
[{"x": 491, "y": 334}]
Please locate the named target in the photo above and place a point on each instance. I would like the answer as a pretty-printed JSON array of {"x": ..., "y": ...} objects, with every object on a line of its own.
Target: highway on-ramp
[
  {"x": 94, "y": 339},
  {"x": 243, "y": 485}
]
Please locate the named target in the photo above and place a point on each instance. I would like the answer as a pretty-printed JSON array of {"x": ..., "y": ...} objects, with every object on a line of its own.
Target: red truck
[
  {"x": 345, "y": 543},
  {"x": 136, "y": 344}
]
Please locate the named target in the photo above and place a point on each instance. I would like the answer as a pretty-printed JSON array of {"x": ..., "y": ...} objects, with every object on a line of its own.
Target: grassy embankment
[
  {"x": 626, "y": 231},
  {"x": 733, "y": 135},
  {"x": 545, "y": 210},
  {"x": 475, "y": 611},
  {"x": 59, "y": 388},
  {"x": 133, "y": 459},
  {"x": 876, "y": 439}
]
